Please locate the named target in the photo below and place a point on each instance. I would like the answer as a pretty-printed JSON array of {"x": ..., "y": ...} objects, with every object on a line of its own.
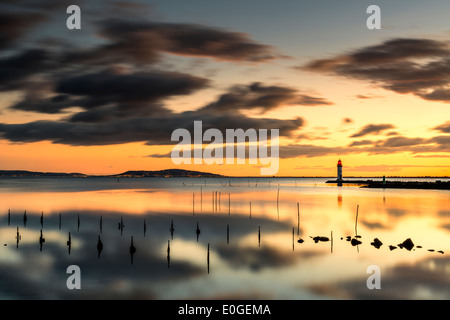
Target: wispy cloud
[
  {"x": 402, "y": 65},
  {"x": 372, "y": 129}
]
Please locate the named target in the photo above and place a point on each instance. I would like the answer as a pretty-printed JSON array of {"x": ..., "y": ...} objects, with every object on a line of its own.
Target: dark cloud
[
  {"x": 347, "y": 120},
  {"x": 14, "y": 26},
  {"x": 143, "y": 42},
  {"x": 308, "y": 151},
  {"x": 36, "y": 102},
  {"x": 155, "y": 130},
  {"x": 444, "y": 128},
  {"x": 392, "y": 133},
  {"x": 390, "y": 145},
  {"x": 402, "y": 142},
  {"x": 360, "y": 143},
  {"x": 106, "y": 87},
  {"x": 190, "y": 40},
  {"x": 417, "y": 66},
  {"x": 16, "y": 70},
  {"x": 112, "y": 92},
  {"x": 442, "y": 141},
  {"x": 372, "y": 129},
  {"x": 104, "y": 95},
  {"x": 259, "y": 96}
]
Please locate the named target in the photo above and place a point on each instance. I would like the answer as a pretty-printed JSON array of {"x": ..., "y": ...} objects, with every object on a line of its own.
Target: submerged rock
[
  {"x": 300, "y": 240},
  {"x": 376, "y": 243},
  {"x": 355, "y": 242},
  {"x": 320, "y": 238},
  {"x": 391, "y": 247},
  {"x": 407, "y": 244}
]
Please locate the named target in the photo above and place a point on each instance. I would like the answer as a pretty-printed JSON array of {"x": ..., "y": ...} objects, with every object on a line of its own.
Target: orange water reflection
[{"x": 261, "y": 255}]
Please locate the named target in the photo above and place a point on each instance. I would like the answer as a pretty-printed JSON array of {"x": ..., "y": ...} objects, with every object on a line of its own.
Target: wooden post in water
[
  {"x": 207, "y": 258},
  {"x": 259, "y": 236},
  {"x": 168, "y": 253},
  {"x": 298, "y": 218},
  {"x": 356, "y": 221},
  {"x": 145, "y": 228},
  {"x": 228, "y": 233},
  {"x": 69, "y": 244},
  {"x": 331, "y": 241},
  {"x": 9, "y": 216},
  {"x": 18, "y": 237},
  {"x": 293, "y": 231},
  {"x": 216, "y": 201},
  {"x": 60, "y": 221},
  {"x": 278, "y": 198},
  {"x": 171, "y": 229},
  {"x": 132, "y": 249}
]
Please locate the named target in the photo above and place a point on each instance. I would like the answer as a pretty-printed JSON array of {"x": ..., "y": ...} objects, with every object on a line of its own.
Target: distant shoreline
[
  {"x": 181, "y": 173},
  {"x": 380, "y": 184}
]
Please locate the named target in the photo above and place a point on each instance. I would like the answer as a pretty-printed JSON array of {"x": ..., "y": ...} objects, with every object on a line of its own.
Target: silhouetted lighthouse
[{"x": 339, "y": 170}]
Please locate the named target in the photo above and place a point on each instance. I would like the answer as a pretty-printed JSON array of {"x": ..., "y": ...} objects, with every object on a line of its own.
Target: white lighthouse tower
[{"x": 339, "y": 170}]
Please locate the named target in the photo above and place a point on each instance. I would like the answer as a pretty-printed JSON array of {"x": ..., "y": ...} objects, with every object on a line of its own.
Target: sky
[{"x": 106, "y": 98}]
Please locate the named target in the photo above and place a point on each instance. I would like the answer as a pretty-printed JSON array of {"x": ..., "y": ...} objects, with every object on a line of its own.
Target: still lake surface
[{"x": 250, "y": 225}]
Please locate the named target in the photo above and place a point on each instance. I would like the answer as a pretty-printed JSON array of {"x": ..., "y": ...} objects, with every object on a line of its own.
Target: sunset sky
[{"x": 105, "y": 99}]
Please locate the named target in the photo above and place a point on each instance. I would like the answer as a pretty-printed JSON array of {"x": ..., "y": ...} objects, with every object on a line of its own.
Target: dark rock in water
[
  {"x": 376, "y": 243},
  {"x": 320, "y": 238},
  {"x": 407, "y": 244},
  {"x": 349, "y": 238},
  {"x": 419, "y": 247},
  {"x": 300, "y": 240},
  {"x": 440, "y": 251},
  {"x": 355, "y": 242},
  {"x": 391, "y": 247},
  {"x": 431, "y": 250}
]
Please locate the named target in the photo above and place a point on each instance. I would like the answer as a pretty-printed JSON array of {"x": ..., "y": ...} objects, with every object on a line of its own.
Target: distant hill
[
  {"x": 167, "y": 173},
  {"x": 23, "y": 173},
  {"x": 137, "y": 174}
]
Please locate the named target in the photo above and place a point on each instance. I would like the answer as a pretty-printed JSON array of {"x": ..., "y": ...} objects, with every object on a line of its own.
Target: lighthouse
[{"x": 339, "y": 170}]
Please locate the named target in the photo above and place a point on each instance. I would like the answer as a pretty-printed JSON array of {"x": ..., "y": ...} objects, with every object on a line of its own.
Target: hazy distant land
[
  {"x": 181, "y": 173},
  {"x": 132, "y": 174}
]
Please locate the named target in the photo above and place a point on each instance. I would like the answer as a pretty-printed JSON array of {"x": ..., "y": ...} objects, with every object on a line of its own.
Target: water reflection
[
  {"x": 276, "y": 265},
  {"x": 69, "y": 244},
  {"x": 99, "y": 247},
  {"x": 41, "y": 241},
  {"x": 132, "y": 249}
]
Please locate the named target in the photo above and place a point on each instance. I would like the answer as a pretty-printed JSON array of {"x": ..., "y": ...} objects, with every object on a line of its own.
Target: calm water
[{"x": 252, "y": 228}]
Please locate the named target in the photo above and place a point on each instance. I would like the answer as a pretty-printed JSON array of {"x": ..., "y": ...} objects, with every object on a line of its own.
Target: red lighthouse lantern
[{"x": 339, "y": 170}]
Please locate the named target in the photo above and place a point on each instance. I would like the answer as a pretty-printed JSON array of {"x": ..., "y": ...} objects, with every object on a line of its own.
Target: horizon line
[{"x": 210, "y": 173}]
